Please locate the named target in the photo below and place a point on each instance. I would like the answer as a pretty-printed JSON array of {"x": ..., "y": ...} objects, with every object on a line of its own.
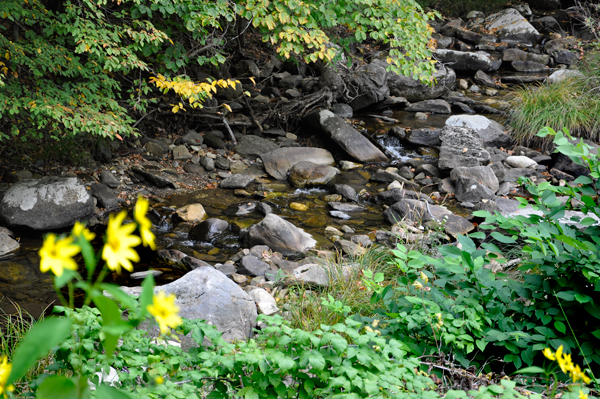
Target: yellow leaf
[
  {"x": 253, "y": 81},
  {"x": 228, "y": 107},
  {"x": 175, "y": 109}
]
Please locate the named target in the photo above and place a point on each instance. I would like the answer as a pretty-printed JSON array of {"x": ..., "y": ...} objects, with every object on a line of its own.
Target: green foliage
[
  {"x": 572, "y": 104},
  {"x": 82, "y": 67},
  {"x": 475, "y": 314}
]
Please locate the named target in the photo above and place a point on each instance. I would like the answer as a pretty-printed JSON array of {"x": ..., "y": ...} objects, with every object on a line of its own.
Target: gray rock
[
  {"x": 345, "y": 191},
  {"x": 520, "y": 162},
  {"x": 340, "y": 215},
  {"x": 108, "y": 179},
  {"x": 208, "y": 229},
  {"x": 552, "y": 46},
  {"x": 457, "y": 225},
  {"x": 208, "y": 163},
  {"x": 469, "y": 190},
  {"x": 509, "y": 22},
  {"x": 207, "y": 294},
  {"x": 415, "y": 211},
  {"x": 342, "y": 110},
  {"x": 468, "y": 61},
  {"x": 105, "y": 196},
  {"x": 528, "y": 66},
  {"x": 264, "y": 208},
  {"x": 461, "y": 146},
  {"x": 252, "y": 266},
  {"x": 154, "y": 149},
  {"x": 565, "y": 57},
  {"x": 193, "y": 168},
  {"x": 482, "y": 174},
  {"x": 394, "y": 195},
  {"x": 254, "y": 146},
  {"x": 265, "y": 302},
  {"x": 237, "y": 181},
  {"x": 222, "y": 163},
  {"x": 345, "y": 207},
  {"x": 343, "y": 134},
  {"x": 361, "y": 239},
  {"x": 368, "y": 85},
  {"x": 424, "y": 137},
  {"x": 513, "y": 174},
  {"x": 515, "y": 54},
  {"x": 279, "y": 162},
  {"x": 280, "y": 235},
  {"x": 48, "y": 203},
  {"x": 192, "y": 263},
  {"x": 193, "y": 138},
  {"x": 433, "y": 106},
  {"x": 490, "y": 132},
  {"x": 414, "y": 90},
  {"x": 8, "y": 245},
  {"x": 213, "y": 141},
  {"x": 180, "y": 152},
  {"x": 350, "y": 248},
  {"x": 157, "y": 179},
  {"x": 563, "y": 74},
  {"x": 484, "y": 79},
  {"x": 307, "y": 173}
]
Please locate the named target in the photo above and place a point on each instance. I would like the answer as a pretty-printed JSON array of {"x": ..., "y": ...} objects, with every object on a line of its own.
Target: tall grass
[
  {"x": 304, "y": 303},
  {"x": 13, "y": 328},
  {"x": 573, "y": 103}
]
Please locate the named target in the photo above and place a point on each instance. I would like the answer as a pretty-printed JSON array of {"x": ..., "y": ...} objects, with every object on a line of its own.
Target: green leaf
[
  {"x": 65, "y": 278},
  {"x": 44, "y": 336},
  {"x": 106, "y": 392},
  {"x": 560, "y": 326},
  {"x": 112, "y": 324},
  {"x": 147, "y": 295},
  {"x": 480, "y": 235},
  {"x": 502, "y": 238},
  {"x": 532, "y": 369},
  {"x": 57, "y": 387},
  {"x": 316, "y": 360},
  {"x": 119, "y": 295}
]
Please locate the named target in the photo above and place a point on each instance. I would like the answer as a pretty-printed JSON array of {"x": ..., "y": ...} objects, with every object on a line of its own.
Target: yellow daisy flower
[
  {"x": 57, "y": 254},
  {"x": 577, "y": 374},
  {"x": 549, "y": 354},
  {"x": 139, "y": 213},
  {"x": 118, "y": 250},
  {"x": 5, "y": 369},
  {"x": 165, "y": 311},
  {"x": 582, "y": 395},
  {"x": 79, "y": 229}
]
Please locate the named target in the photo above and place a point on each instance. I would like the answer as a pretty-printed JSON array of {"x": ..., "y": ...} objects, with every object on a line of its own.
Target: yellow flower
[
  {"x": 118, "y": 250},
  {"x": 57, "y": 254},
  {"x": 549, "y": 354},
  {"x": 577, "y": 374},
  {"x": 566, "y": 365},
  {"x": 582, "y": 395},
  {"x": 165, "y": 311},
  {"x": 159, "y": 380},
  {"x": 5, "y": 369},
  {"x": 417, "y": 285},
  {"x": 424, "y": 277},
  {"x": 139, "y": 213},
  {"x": 79, "y": 229}
]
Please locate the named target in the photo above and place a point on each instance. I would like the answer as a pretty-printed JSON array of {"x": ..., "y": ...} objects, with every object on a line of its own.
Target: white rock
[
  {"x": 265, "y": 302},
  {"x": 563, "y": 74},
  {"x": 395, "y": 184},
  {"x": 509, "y": 22},
  {"x": 519, "y": 161}
]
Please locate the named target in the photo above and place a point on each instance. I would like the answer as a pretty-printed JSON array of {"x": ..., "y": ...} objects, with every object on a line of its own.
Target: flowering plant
[{"x": 58, "y": 255}]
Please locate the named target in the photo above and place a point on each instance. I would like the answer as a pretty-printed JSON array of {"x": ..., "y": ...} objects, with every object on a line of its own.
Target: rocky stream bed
[{"x": 235, "y": 212}]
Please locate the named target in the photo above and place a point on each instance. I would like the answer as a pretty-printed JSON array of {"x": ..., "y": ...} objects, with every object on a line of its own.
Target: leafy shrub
[{"x": 475, "y": 314}]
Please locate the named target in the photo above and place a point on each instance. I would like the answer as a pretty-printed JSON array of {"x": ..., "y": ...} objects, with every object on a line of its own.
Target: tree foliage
[{"x": 84, "y": 66}]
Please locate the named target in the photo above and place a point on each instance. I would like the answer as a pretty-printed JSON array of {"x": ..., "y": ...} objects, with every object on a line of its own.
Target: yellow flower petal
[
  {"x": 139, "y": 213},
  {"x": 549, "y": 354},
  {"x": 118, "y": 250},
  {"x": 5, "y": 369},
  {"x": 165, "y": 311},
  {"x": 57, "y": 254},
  {"x": 424, "y": 277}
]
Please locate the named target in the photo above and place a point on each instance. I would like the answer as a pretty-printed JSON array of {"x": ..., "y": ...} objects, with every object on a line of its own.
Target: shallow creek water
[{"x": 21, "y": 281}]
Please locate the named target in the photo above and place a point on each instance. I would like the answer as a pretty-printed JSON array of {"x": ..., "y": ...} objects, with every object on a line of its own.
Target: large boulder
[
  {"x": 280, "y": 235},
  {"x": 254, "y": 146},
  {"x": 461, "y": 146},
  {"x": 414, "y": 211},
  {"x": 414, "y": 90},
  {"x": 207, "y": 294},
  {"x": 491, "y": 132},
  {"x": 468, "y": 61},
  {"x": 368, "y": 85},
  {"x": 509, "y": 22},
  {"x": 279, "y": 162},
  {"x": 307, "y": 173},
  {"x": 483, "y": 174},
  {"x": 343, "y": 134},
  {"x": 46, "y": 204}
]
